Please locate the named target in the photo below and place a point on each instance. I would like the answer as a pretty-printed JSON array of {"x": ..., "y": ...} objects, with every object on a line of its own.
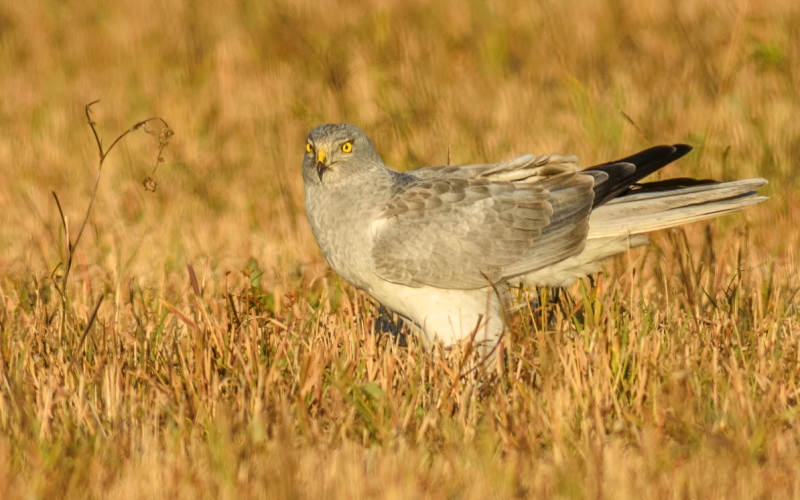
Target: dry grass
[{"x": 679, "y": 378}]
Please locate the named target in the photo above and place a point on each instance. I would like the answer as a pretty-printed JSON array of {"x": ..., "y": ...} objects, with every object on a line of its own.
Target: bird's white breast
[{"x": 443, "y": 314}]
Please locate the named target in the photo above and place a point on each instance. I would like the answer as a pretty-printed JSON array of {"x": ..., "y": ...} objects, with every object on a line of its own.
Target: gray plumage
[{"x": 441, "y": 245}]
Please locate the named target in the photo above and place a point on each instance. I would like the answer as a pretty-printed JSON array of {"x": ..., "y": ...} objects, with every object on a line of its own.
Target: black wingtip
[
  {"x": 646, "y": 162},
  {"x": 681, "y": 150}
]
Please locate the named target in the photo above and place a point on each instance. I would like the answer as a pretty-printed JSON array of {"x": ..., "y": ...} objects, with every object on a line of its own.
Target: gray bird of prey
[{"x": 441, "y": 246}]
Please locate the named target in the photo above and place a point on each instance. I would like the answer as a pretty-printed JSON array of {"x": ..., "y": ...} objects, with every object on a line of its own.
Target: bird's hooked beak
[{"x": 322, "y": 166}]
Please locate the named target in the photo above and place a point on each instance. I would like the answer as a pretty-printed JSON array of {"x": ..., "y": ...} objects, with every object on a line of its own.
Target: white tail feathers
[
  {"x": 650, "y": 211},
  {"x": 620, "y": 224}
]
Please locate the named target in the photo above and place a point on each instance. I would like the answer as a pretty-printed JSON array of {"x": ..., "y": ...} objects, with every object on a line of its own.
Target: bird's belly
[{"x": 446, "y": 315}]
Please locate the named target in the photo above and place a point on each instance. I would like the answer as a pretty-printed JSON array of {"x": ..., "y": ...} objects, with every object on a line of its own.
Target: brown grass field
[{"x": 674, "y": 374}]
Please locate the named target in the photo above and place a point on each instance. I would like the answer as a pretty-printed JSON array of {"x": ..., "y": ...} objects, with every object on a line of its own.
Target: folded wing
[{"x": 468, "y": 226}]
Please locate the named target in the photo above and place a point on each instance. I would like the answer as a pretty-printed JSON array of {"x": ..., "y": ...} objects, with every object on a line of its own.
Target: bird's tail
[
  {"x": 657, "y": 206},
  {"x": 622, "y": 223}
]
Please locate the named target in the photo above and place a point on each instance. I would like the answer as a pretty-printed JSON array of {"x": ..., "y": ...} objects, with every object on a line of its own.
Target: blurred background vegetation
[{"x": 241, "y": 82}]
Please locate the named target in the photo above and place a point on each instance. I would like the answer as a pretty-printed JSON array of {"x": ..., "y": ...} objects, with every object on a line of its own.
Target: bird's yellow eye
[
  {"x": 309, "y": 148},
  {"x": 347, "y": 147}
]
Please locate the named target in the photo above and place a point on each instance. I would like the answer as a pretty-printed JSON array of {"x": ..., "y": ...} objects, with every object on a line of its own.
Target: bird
[{"x": 444, "y": 246}]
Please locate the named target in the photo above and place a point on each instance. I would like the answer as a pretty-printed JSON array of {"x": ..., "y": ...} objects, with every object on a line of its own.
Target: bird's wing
[
  {"x": 625, "y": 173},
  {"x": 463, "y": 232},
  {"x": 524, "y": 168}
]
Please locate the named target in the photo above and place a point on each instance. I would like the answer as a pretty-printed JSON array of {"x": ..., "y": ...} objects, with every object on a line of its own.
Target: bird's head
[{"x": 337, "y": 153}]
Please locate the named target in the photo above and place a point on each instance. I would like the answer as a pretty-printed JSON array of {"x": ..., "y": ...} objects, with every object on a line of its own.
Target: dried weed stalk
[{"x": 149, "y": 184}]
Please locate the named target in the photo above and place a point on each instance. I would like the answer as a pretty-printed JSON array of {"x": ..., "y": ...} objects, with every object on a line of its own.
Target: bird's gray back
[{"x": 450, "y": 230}]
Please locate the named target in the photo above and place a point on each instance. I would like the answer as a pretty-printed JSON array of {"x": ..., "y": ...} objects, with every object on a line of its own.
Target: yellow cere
[{"x": 347, "y": 147}]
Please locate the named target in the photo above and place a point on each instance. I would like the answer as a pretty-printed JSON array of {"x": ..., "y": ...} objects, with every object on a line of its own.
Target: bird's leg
[{"x": 390, "y": 322}]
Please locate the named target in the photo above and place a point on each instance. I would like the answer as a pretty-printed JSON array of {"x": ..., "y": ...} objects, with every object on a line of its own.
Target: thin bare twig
[
  {"x": 63, "y": 220},
  {"x": 90, "y": 323},
  {"x": 149, "y": 184},
  {"x": 166, "y": 133}
]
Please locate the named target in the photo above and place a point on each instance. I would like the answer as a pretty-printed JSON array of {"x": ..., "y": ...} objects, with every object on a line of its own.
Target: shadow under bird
[{"x": 441, "y": 246}]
